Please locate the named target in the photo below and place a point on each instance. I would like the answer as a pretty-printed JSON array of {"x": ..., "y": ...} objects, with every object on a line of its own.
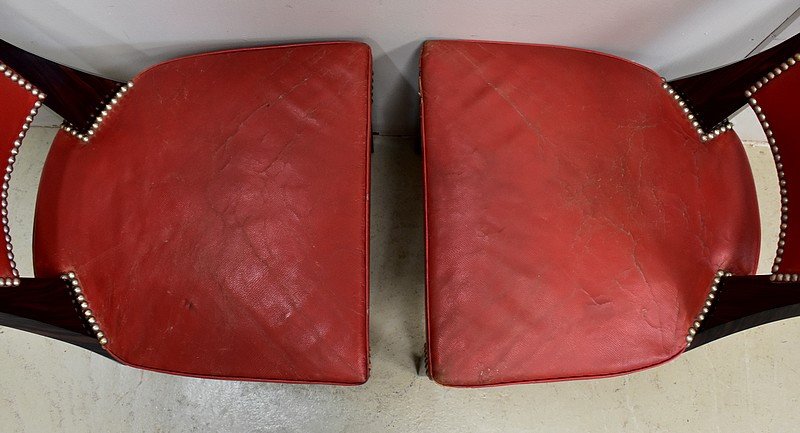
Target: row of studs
[
  {"x": 712, "y": 293},
  {"x": 72, "y": 283},
  {"x": 101, "y": 116},
  {"x": 770, "y": 75},
  {"x": 782, "y": 183},
  {"x": 776, "y": 276},
  {"x": 784, "y": 277},
  {"x": 691, "y": 117},
  {"x": 8, "y": 282}
]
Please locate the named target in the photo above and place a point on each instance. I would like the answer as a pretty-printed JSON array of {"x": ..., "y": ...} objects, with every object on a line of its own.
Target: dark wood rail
[
  {"x": 74, "y": 95},
  {"x": 45, "y": 306},
  {"x": 716, "y": 94},
  {"x": 744, "y": 302}
]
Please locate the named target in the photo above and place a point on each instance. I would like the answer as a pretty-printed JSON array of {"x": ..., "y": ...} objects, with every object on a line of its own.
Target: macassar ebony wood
[
  {"x": 744, "y": 302},
  {"x": 716, "y": 94},
  {"x": 45, "y": 306},
  {"x": 74, "y": 95}
]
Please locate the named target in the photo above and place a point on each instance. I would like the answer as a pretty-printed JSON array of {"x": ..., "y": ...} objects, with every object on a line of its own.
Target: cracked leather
[
  {"x": 218, "y": 219},
  {"x": 574, "y": 219}
]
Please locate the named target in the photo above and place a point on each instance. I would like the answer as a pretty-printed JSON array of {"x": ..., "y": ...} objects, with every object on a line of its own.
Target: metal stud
[
  {"x": 709, "y": 298},
  {"x": 20, "y": 81},
  {"x": 71, "y": 280},
  {"x": 103, "y": 112}
]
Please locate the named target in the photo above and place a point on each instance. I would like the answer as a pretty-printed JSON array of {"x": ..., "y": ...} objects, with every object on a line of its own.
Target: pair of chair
[{"x": 584, "y": 217}]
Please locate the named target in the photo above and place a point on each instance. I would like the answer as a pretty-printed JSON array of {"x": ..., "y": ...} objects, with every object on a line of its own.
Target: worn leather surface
[
  {"x": 574, "y": 219},
  {"x": 218, "y": 219},
  {"x": 778, "y": 101},
  {"x": 15, "y": 105}
]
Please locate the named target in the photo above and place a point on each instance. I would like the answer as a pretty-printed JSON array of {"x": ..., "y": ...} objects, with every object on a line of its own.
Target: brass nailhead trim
[
  {"x": 103, "y": 112},
  {"x": 704, "y": 136},
  {"x": 773, "y": 145},
  {"x": 712, "y": 294},
  {"x": 16, "y": 78},
  {"x": 83, "y": 305}
]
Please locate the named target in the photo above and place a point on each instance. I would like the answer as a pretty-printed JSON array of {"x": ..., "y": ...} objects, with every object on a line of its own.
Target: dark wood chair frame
[
  {"x": 741, "y": 301},
  {"x": 47, "y": 306}
]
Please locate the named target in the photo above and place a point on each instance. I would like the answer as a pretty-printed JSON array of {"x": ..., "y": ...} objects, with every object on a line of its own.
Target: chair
[
  {"x": 586, "y": 218},
  {"x": 208, "y": 218}
]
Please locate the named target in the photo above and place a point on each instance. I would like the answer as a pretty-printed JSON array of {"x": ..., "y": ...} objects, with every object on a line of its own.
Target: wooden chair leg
[
  {"x": 744, "y": 302},
  {"x": 46, "y": 306}
]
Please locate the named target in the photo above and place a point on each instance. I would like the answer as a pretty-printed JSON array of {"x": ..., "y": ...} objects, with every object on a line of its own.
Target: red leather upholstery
[
  {"x": 575, "y": 220},
  {"x": 218, "y": 219},
  {"x": 778, "y": 100},
  {"x": 16, "y": 104}
]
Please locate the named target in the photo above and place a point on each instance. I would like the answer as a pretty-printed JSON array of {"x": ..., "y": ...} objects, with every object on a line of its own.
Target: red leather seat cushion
[
  {"x": 575, "y": 220},
  {"x": 217, "y": 221}
]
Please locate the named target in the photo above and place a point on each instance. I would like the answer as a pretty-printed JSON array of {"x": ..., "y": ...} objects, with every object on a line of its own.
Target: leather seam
[
  {"x": 566, "y": 378},
  {"x": 367, "y": 189},
  {"x": 428, "y": 352}
]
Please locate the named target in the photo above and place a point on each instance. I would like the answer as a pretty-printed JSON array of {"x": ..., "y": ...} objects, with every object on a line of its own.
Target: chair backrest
[
  {"x": 76, "y": 96},
  {"x": 26, "y": 83},
  {"x": 20, "y": 103},
  {"x": 775, "y": 99},
  {"x": 770, "y": 83},
  {"x": 45, "y": 306}
]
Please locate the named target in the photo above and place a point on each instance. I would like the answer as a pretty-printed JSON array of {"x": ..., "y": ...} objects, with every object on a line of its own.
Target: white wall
[{"x": 119, "y": 37}]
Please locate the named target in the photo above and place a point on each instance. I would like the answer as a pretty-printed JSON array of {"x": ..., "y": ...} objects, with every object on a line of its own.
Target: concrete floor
[{"x": 749, "y": 382}]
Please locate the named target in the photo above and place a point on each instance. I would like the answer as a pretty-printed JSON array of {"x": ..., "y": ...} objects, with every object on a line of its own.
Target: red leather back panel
[
  {"x": 218, "y": 219},
  {"x": 16, "y": 103},
  {"x": 574, "y": 218},
  {"x": 778, "y": 100}
]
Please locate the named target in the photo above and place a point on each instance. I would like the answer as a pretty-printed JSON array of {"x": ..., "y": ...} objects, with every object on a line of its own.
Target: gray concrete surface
[{"x": 746, "y": 383}]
